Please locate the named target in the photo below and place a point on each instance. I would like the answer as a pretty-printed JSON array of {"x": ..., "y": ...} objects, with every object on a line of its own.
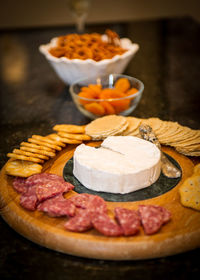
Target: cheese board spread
[{"x": 53, "y": 212}]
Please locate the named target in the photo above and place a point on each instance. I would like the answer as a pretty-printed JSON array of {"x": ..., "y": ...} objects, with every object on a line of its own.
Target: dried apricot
[
  {"x": 109, "y": 109},
  {"x": 108, "y": 93},
  {"x": 96, "y": 89},
  {"x": 122, "y": 84},
  {"x": 120, "y": 105},
  {"x": 90, "y": 91},
  {"x": 86, "y": 95},
  {"x": 95, "y": 108},
  {"x": 132, "y": 91}
]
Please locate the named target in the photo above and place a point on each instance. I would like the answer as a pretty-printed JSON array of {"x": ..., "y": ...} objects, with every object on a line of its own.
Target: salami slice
[
  {"x": 49, "y": 189},
  {"x": 19, "y": 184},
  {"x": 166, "y": 214},
  {"x": 57, "y": 206},
  {"x": 28, "y": 200},
  {"x": 37, "y": 188},
  {"x": 80, "y": 222},
  {"x": 128, "y": 219},
  {"x": 80, "y": 200},
  {"x": 97, "y": 204},
  {"x": 92, "y": 203},
  {"x": 105, "y": 225},
  {"x": 153, "y": 217},
  {"x": 43, "y": 178}
]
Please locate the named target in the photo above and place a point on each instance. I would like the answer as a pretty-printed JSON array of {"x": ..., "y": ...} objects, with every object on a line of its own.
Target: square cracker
[{"x": 190, "y": 192}]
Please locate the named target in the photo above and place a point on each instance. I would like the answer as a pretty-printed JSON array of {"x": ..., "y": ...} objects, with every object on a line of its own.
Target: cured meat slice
[
  {"x": 41, "y": 187},
  {"x": 28, "y": 200},
  {"x": 19, "y": 184},
  {"x": 153, "y": 217},
  {"x": 105, "y": 225},
  {"x": 166, "y": 214},
  {"x": 51, "y": 188},
  {"x": 80, "y": 200},
  {"x": 97, "y": 204},
  {"x": 57, "y": 206},
  {"x": 79, "y": 223},
  {"x": 92, "y": 203},
  {"x": 128, "y": 220},
  {"x": 43, "y": 178}
]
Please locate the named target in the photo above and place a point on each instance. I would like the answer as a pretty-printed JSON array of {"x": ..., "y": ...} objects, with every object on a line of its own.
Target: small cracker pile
[
  {"x": 184, "y": 139},
  {"x": 101, "y": 128},
  {"x": 28, "y": 158},
  {"x": 190, "y": 190}
]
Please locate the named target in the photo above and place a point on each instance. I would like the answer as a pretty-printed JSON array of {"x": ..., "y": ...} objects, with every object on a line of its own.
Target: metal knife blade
[{"x": 168, "y": 168}]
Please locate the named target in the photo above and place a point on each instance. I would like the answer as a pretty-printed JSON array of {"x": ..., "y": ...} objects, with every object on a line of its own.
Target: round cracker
[
  {"x": 22, "y": 168},
  {"x": 54, "y": 136},
  {"x": 154, "y": 123},
  {"x": 173, "y": 129},
  {"x": 113, "y": 132},
  {"x": 38, "y": 151},
  {"x": 192, "y": 138},
  {"x": 105, "y": 126},
  {"x": 29, "y": 154},
  {"x": 185, "y": 135},
  {"x": 22, "y": 157},
  {"x": 35, "y": 146},
  {"x": 69, "y": 128},
  {"x": 133, "y": 125},
  {"x": 50, "y": 141},
  {"x": 41, "y": 143},
  {"x": 185, "y": 152},
  {"x": 80, "y": 137},
  {"x": 70, "y": 141}
]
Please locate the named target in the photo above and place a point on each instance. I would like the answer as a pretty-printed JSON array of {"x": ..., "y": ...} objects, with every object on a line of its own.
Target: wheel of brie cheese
[{"x": 122, "y": 164}]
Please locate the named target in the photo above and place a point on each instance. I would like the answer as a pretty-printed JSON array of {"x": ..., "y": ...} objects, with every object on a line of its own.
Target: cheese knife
[{"x": 168, "y": 168}]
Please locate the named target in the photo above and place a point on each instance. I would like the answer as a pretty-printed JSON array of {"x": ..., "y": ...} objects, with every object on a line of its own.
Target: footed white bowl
[{"x": 71, "y": 70}]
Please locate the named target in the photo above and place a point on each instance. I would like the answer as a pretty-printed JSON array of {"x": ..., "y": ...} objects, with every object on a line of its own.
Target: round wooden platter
[{"x": 181, "y": 234}]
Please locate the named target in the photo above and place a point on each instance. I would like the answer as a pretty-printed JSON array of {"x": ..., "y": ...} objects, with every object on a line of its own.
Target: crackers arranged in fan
[
  {"x": 184, "y": 139},
  {"x": 28, "y": 159}
]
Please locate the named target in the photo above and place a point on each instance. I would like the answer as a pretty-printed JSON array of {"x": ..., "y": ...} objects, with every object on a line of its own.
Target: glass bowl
[{"x": 91, "y": 106}]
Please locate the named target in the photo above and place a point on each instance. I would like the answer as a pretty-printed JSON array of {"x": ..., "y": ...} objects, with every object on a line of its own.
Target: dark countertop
[{"x": 33, "y": 99}]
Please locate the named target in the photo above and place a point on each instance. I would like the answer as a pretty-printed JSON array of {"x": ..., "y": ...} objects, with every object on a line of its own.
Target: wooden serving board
[{"x": 181, "y": 234}]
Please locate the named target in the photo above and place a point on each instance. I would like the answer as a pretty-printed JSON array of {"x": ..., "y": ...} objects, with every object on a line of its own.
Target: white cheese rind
[{"x": 129, "y": 166}]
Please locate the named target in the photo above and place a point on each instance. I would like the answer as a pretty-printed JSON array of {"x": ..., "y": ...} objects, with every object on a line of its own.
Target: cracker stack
[{"x": 28, "y": 159}]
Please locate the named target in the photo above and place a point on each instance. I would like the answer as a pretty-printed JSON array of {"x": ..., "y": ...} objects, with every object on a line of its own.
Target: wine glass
[{"x": 80, "y": 9}]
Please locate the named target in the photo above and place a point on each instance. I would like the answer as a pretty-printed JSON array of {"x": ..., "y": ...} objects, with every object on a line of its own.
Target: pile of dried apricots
[{"x": 107, "y": 101}]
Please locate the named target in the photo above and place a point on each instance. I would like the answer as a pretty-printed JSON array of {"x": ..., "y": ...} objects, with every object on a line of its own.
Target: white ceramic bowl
[{"x": 71, "y": 70}]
